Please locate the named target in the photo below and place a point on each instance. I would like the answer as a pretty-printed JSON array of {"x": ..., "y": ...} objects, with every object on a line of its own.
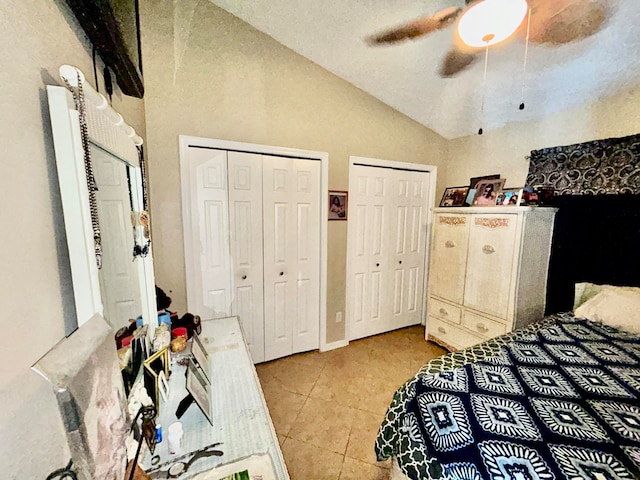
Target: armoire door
[
  {"x": 291, "y": 225},
  {"x": 449, "y": 256},
  {"x": 490, "y": 264},
  {"x": 387, "y": 241}
]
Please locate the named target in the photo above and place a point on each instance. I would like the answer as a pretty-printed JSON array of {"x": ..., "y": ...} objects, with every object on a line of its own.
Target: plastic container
[
  {"x": 174, "y": 437},
  {"x": 164, "y": 317}
]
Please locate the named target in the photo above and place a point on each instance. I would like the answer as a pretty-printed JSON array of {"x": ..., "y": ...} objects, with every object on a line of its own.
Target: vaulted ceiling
[{"x": 405, "y": 76}]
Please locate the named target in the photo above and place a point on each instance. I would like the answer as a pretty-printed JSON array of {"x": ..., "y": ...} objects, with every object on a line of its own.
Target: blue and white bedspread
[{"x": 557, "y": 402}]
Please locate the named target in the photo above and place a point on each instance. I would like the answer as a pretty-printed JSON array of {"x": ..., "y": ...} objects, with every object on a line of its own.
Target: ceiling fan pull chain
[
  {"x": 484, "y": 84},
  {"x": 526, "y": 52}
]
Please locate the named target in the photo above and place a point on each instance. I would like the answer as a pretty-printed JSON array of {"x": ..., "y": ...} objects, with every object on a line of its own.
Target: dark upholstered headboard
[{"x": 596, "y": 239}]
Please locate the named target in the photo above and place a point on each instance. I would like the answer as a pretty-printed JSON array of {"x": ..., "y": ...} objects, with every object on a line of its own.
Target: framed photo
[
  {"x": 201, "y": 357},
  {"x": 338, "y": 205},
  {"x": 199, "y": 390},
  {"x": 454, "y": 196},
  {"x": 153, "y": 366},
  {"x": 487, "y": 192},
  {"x": 474, "y": 180},
  {"x": 509, "y": 197}
]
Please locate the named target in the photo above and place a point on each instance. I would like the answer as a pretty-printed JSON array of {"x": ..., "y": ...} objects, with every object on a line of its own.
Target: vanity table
[{"x": 241, "y": 422}]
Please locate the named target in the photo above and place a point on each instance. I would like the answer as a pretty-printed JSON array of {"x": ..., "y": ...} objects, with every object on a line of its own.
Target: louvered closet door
[
  {"x": 245, "y": 217},
  {"x": 208, "y": 258},
  {"x": 291, "y": 225},
  {"x": 408, "y": 202}
]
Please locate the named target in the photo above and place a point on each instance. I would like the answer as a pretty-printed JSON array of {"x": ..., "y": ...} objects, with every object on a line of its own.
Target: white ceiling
[{"x": 405, "y": 76}]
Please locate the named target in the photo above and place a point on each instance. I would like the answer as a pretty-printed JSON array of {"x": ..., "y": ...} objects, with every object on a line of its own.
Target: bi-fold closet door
[
  {"x": 255, "y": 246},
  {"x": 387, "y": 248}
]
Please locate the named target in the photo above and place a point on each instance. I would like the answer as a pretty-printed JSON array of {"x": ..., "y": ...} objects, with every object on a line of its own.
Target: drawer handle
[
  {"x": 488, "y": 249},
  {"x": 443, "y": 312},
  {"x": 449, "y": 244},
  {"x": 244, "y": 277},
  {"x": 442, "y": 330},
  {"x": 481, "y": 328}
]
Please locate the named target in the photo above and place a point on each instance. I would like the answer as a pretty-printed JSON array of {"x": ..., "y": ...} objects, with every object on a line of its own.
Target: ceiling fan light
[{"x": 489, "y": 22}]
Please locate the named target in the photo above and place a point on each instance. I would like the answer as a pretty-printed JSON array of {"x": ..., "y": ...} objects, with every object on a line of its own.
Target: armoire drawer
[
  {"x": 482, "y": 325},
  {"x": 444, "y": 310},
  {"x": 451, "y": 335}
]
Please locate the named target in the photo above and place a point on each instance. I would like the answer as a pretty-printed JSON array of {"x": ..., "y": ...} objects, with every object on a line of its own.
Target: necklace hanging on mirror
[
  {"x": 79, "y": 100},
  {"x": 143, "y": 219}
]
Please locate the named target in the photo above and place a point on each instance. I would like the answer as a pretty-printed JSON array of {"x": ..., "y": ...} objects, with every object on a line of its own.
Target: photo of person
[
  {"x": 337, "y": 205},
  {"x": 487, "y": 192},
  {"x": 454, "y": 196},
  {"x": 509, "y": 197}
]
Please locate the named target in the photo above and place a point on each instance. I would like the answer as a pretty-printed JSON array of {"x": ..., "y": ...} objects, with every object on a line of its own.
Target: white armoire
[
  {"x": 488, "y": 272},
  {"x": 252, "y": 245}
]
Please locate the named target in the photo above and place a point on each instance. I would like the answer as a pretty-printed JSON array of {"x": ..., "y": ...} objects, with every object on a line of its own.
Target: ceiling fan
[{"x": 551, "y": 22}]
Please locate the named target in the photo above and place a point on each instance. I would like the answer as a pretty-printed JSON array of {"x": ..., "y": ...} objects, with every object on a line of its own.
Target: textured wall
[
  {"x": 209, "y": 74},
  {"x": 35, "y": 285},
  {"x": 503, "y": 151}
]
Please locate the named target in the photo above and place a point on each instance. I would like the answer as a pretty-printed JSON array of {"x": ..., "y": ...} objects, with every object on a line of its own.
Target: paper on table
[{"x": 259, "y": 466}]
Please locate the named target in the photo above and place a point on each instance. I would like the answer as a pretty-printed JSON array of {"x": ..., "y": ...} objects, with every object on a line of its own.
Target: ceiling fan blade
[
  {"x": 557, "y": 22},
  {"x": 455, "y": 61},
  {"x": 417, "y": 28}
]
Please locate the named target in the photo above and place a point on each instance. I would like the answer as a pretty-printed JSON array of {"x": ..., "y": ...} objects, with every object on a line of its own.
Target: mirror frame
[{"x": 108, "y": 131}]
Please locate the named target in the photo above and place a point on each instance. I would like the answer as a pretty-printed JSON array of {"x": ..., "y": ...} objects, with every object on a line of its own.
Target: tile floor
[{"x": 327, "y": 407}]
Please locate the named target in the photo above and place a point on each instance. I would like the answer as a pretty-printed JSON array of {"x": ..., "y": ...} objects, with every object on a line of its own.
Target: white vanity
[{"x": 239, "y": 414}]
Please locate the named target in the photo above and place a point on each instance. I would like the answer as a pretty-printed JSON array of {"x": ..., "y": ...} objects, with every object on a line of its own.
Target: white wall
[
  {"x": 209, "y": 74},
  {"x": 37, "y": 36},
  {"x": 503, "y": 151}
]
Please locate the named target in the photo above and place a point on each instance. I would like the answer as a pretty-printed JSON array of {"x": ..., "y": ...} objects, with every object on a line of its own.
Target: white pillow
[
  {"x": 616, "y": 307},
  {"x": 585, "y": 291}
]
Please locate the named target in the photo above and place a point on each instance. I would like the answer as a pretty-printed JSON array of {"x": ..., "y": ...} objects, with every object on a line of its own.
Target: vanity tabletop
[{"x": 241, "y": 422}]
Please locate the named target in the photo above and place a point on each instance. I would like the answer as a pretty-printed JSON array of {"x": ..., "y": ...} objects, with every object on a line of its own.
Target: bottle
[
  {"x": 175, "y": 437},
  {"x": 158, "y": 433}
]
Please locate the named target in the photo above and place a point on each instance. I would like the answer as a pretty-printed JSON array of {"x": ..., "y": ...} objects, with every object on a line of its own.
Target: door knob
[{"x": 244, "y": 277}]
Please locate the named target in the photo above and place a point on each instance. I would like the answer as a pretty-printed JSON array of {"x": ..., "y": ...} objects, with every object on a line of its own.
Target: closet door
[
  {"x": 387, "y": 241},
  {"x": 207, "y": 254},
  {"x": 408, "y": 202},
  {"x": 245, "y": 217},
  {"x": 368, "y": 223},
  {"x": 291, "y": 225}
]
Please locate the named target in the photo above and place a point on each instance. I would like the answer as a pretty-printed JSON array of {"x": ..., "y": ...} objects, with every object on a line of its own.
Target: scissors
[
  {"x": 178, "y": 466},
  {"x": 65, "y": 472}
]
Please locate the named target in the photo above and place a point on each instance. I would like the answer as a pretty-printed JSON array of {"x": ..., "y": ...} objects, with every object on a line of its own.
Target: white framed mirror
[{"x": 123, "y": 286}]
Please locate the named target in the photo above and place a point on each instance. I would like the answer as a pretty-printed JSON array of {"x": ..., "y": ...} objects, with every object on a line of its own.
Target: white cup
[{"x": 174, "y": 437}]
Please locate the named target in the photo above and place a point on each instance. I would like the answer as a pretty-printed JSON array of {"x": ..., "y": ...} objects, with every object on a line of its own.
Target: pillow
[
  {"x": 616, "y": 307},
  {"x": 585, "y": 291}
]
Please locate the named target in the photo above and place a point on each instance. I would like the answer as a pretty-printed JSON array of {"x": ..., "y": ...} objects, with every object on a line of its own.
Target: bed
[{"x": 558, "y": 399}]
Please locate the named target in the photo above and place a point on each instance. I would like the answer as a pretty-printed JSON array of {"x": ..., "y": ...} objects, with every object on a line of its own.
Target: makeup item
[{"x": 158, "y": 433}]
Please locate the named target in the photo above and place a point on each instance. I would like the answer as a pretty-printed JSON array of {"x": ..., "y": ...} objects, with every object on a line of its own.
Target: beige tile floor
[{"x": 327, "y": 407}]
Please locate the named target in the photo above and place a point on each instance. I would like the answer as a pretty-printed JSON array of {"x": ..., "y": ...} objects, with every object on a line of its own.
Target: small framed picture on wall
[{"x": 338, "y": 205}]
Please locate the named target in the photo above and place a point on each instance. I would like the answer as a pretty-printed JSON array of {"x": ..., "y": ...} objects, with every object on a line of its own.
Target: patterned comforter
[{"x": 557, "y": 400}]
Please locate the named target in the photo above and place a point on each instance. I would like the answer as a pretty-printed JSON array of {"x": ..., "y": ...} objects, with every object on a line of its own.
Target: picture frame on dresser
[
  {"x": 454, "y": 196},
  {"x": 200, "y": 356},
  {"x": 198, "y": 388},
  {"x": 509, "y": 197},
  {"x": 487, "y": 192}
]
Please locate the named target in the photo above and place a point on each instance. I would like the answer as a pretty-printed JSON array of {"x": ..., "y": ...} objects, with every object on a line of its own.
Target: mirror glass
[{"x": 119, "y": 275}]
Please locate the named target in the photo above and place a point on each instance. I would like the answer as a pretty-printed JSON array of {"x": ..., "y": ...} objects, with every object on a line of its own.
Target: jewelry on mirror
[
  {"x": 78, "y": 97},
  {"x": 142, "y": 218}
]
